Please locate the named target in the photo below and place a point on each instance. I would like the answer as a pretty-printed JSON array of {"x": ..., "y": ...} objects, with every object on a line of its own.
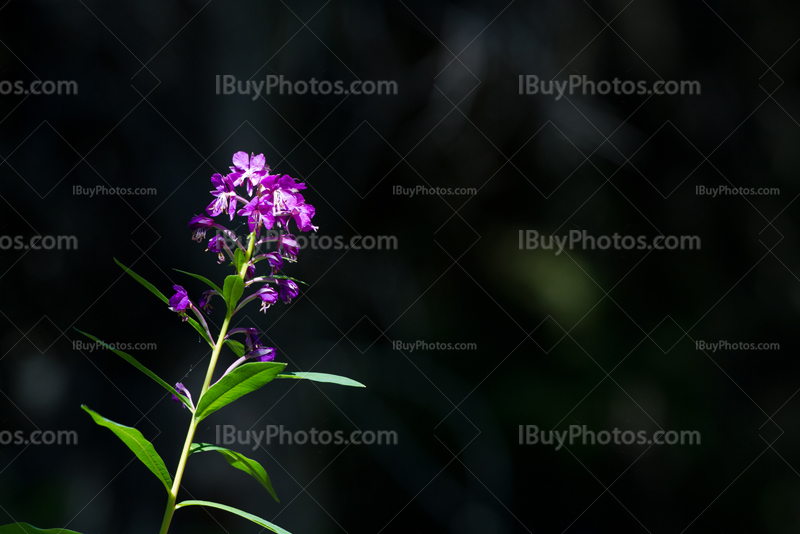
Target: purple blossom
[
  {"x": 248, "y": 169},
  {"x": 179, "y": 301},
  {"x": 287, "y": 290},
  {"x": 181, "y": 389},
  {"x": 288, "y": 247},
  {"x": 217, "y": 244},
  {"x": 251, "y": 341},
  {"x": 274, "y": 259},
  {"x": 199, "y": 225},
  {"x": 268, "y": 297},
  {"x": 225, "y": 194},
  {"x": 205, "y": 300},
  {"x": 250, "y": 273},
  {"x": 263, "y": 354},
  {"x": 258, "y": 211}
]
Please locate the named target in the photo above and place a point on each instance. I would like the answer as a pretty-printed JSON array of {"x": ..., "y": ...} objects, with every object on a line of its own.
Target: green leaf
[
  {"x": 200, "y": 330},
  {"x": 239, "y": 382},
  {"x": 131, "y": 360},
  {"x": 25, "y": 528},
  {"x": 241, "y": 462},
  {"x": 323, "y": 377},
  {"x": 281, "y": 277},
  {"x": 236, "y": 347},
  {"x": 238, "y": 259},
  {"x": 144, "y": 282},
  {"x": 203, "y": 279},
  {"x": 142, "y": 448},
  {"x": 257, "y": 520},
  {"x": 232, "y": 291}
]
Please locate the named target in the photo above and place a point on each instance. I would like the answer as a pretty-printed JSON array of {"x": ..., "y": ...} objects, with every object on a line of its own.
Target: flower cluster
[{"x": 273, "y": 201}]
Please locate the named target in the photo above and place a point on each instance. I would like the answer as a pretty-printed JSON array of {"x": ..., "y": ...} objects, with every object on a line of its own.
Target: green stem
[{"x": 173, "y": 494}]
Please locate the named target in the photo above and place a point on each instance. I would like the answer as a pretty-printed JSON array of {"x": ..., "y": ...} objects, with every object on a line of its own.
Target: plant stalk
[{"x": 173, "y": 494}]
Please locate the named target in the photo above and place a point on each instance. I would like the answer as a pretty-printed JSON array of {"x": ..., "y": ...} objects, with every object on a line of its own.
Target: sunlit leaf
[
  {"x": 203, "y": 279},
  {"x": 239, "y": 382},
  {"x": 241, "y": 462},
  {"x": 255, "y": 519},
  {"x": 136, "y": 442},
  {"x": 131, "y": 360},
  {"x": 323, "y": 377}
]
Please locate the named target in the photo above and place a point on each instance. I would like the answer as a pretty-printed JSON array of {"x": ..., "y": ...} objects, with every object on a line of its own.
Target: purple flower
[
  {"x": 287, "y": 290},
  {"x": 217, "y": 244},
  {"x": 248, "y": 169},
  {"x": 225, "y": 194},
  {"x": 258, "y": 211},
  {"x": 180, "y": 388},
  {"x": 205, "y": 300},
  {"x": 199, "y": 225},
  {"x": 250, "y": 272},
  {"x": 263, "y": 354},
  {"x": 268, "y": 297},
  {"x": 288, "y": 247},
  {"x": 179, "y": 301},
  {"x": 251, "y": 341},
  {"x": 302, "y": 216},
  {"x": 274, "y": 259}
]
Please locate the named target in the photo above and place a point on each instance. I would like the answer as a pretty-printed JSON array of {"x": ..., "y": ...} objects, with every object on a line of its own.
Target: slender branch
[{"x": 173, "y": 494}]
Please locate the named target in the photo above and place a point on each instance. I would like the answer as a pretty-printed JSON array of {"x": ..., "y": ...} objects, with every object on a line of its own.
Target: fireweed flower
[
  {"x": 275, "y": 201},
  {"x": 287, "y": 290},
  {"x": 225, "y": 194},
  {"x": 179, "y": 301},
  {"x": 258, "y": 211},
  {"x": 275, "y": 260},
  {"x": 180, "y": 388},
  {"x": 205, "y": 300},
  {"x": 248, "y": 170},
  {"x": 217, "y": 244},
  {"x": 199, "y": 225},
  {"x": 263, "y": 354},
  {"x": 268, "y": 297},
  {"x": 288, "y": 246}
]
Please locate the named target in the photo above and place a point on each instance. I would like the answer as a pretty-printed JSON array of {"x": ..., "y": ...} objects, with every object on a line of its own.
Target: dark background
[{"x": 590, "y": 337}]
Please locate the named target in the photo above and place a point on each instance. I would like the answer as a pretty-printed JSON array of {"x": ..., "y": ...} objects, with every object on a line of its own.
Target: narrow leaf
[
  {"x": 238, "y": 259},
  {"x": 236, "y": 347},
  {"x": 135, "y": 441},
  {"x": 281, "y": 277},
  {"x": 241, "y": 462},
  {"x": 25, "y": 528},
  {"x": 232, "y": 291},
  {"x": 203, "y": 279},
  {"x": 131, "y": 360},
  {"x": 200, "y": 330},
  {"x": 323, "y": 377},
  {"x": 239, "y": 382},
  {"x": 255, "y": 519},
  {"x": 144, "y": 282}
]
